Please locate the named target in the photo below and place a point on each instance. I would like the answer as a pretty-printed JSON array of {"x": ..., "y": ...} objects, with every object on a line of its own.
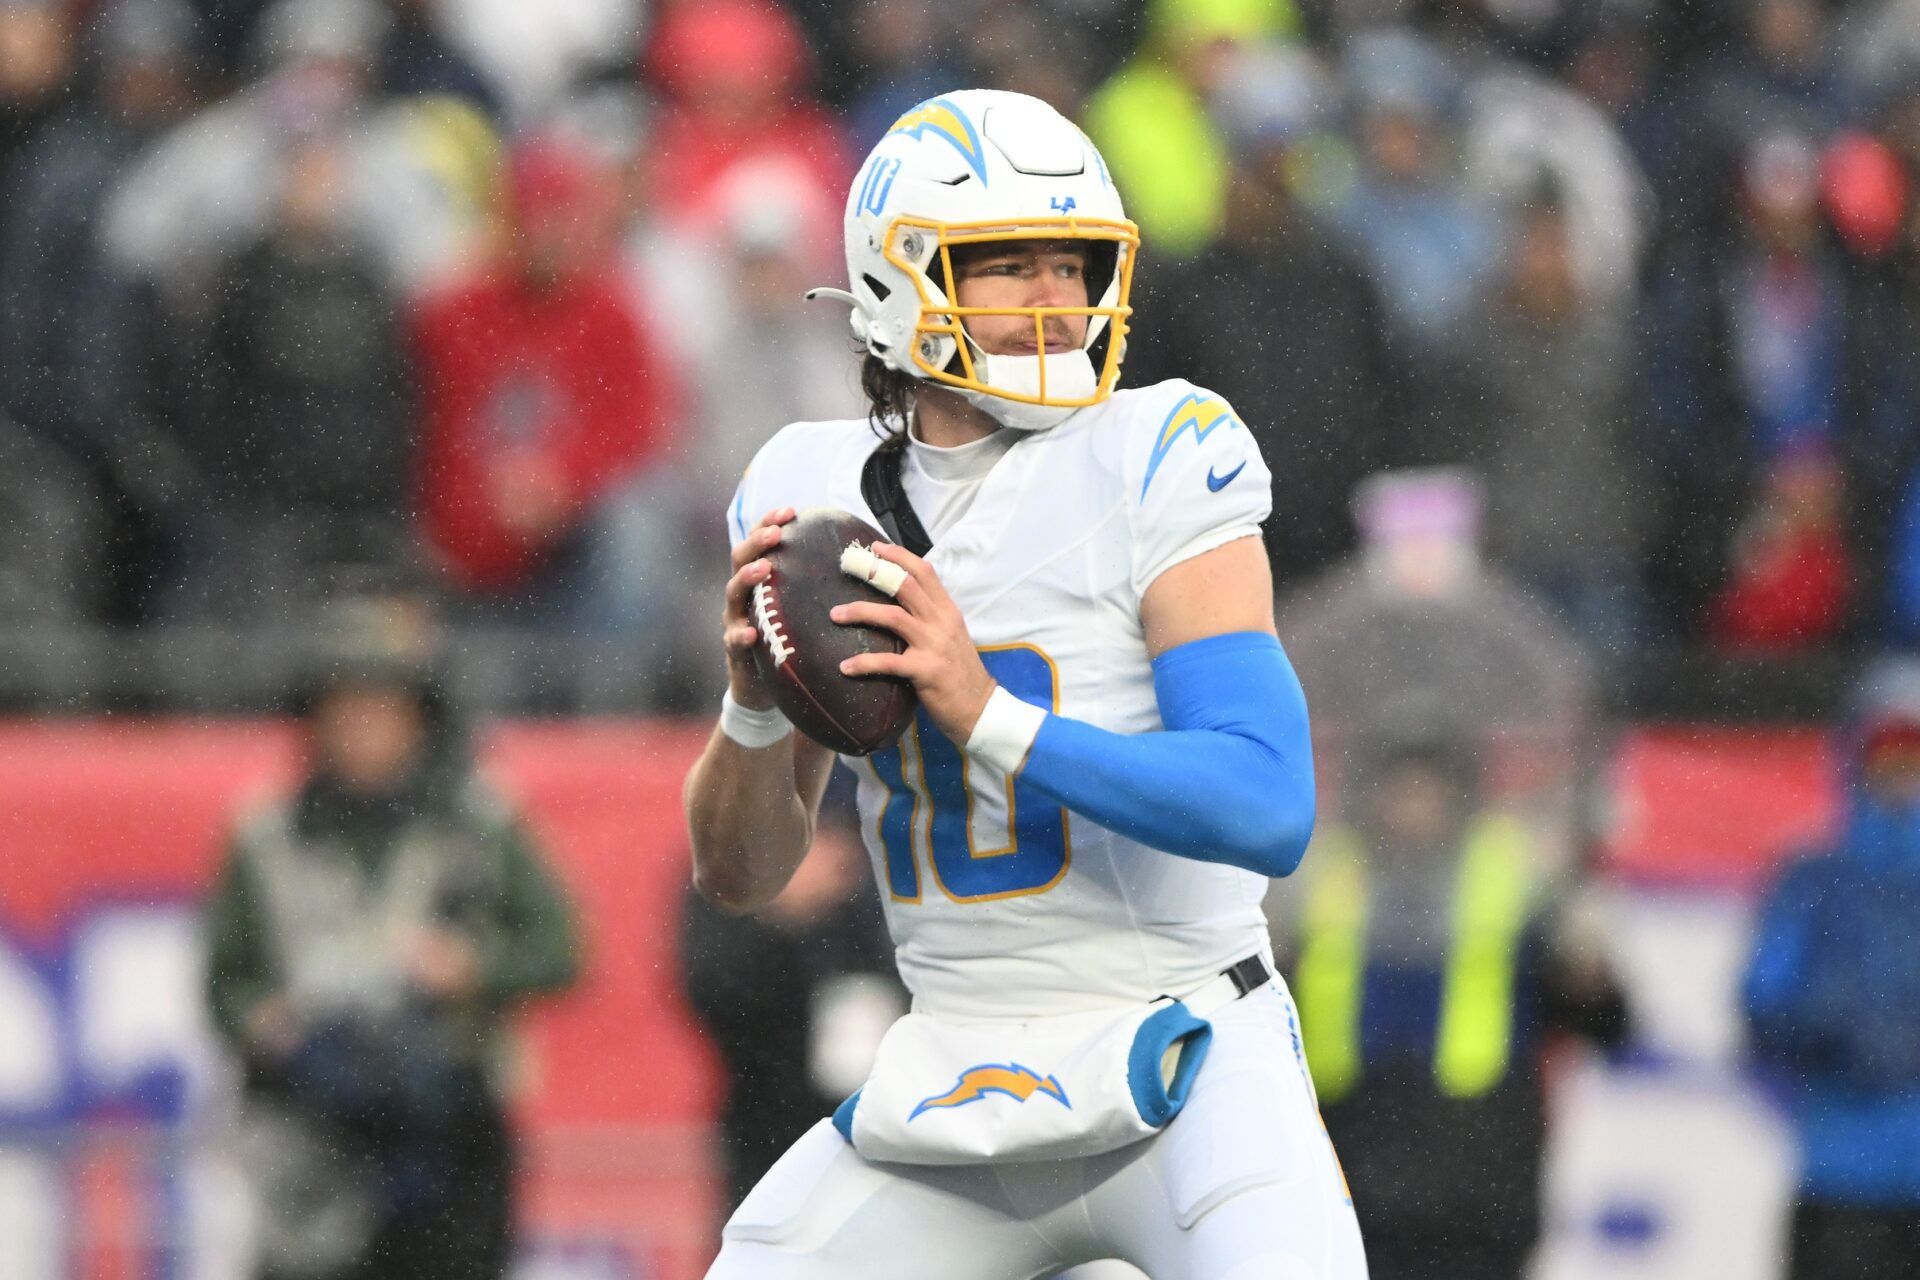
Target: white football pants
[{"x": 1242, "y": 1185}]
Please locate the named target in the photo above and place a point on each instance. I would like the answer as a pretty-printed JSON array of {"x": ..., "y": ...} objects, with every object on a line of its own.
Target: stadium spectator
[
  {"x": 1535, "y": 393},
  {"x": 51, "y": 536},
  {"x": 306, "y": 438},
  {"x": 416, "y": 60},
  {"x": 676, "y": 273},
  {"x": 1517, "y": 35},
  {"x": 1430, "y": 967},
  {"x": 1878, "y": 46},
  {"x": 371, "y": 936},
  {"x": 795, "y": 997},
  {"x": 1520, "y": 127},
  {"x": 72, "y": 347},
  {"x": 1428, "y": 242},
  {"x": 1417, "y": 619},
  {"x": 36, "y": 75},
  {"x": 1150, "y": 118},
  {"x": 537, "y": 53},
  {"x": 1615, "y": 62},
  {"x": 898, "y": 57},
  {"x": 540, "y": 392},
  {"x": 1023, "y": 50},
  {"x": 1867, "y": 185},
  {"x": 36, "y": 83},
  {"x": 421, "y": 168},
  {"x": 776, "y": 356},
  {"x": 734, "y": 75},
  {"x": 767, "y": 356},
  {"x": 1776, "y": 75},
  {"x": 1457, "y": 108},
  {"x": 55, "y": 289},
  {"x": 1833, "y": 1000},
  {"x": 226, "y": 28},
  {"x": 1317, "y": 379},
  {"x": 1753, "y": 375}
]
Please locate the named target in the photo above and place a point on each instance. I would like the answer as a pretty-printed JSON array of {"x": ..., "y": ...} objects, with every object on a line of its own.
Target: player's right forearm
[{"x": 748, "y": 822}]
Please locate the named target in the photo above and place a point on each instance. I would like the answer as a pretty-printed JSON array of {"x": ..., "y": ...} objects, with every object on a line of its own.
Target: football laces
[{"x": 766, "y": 616}]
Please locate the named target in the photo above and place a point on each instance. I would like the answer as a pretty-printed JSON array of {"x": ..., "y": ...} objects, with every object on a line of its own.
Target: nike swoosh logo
[{"x": 1217, "y": 483}]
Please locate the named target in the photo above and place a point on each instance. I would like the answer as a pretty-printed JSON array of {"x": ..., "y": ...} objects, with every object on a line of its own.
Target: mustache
[{"x": 1056, "y": 332}]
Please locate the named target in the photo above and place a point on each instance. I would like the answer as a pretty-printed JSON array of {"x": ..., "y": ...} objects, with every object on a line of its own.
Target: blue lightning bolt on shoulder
[{"x": 1197, "y": 416}]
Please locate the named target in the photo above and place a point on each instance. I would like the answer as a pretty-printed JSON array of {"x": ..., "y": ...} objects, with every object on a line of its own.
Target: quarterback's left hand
[{"x": 939, "y": 659}]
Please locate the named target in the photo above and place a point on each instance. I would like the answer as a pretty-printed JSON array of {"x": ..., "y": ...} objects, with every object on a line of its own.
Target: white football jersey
[{"x": 1000, "y": 902}]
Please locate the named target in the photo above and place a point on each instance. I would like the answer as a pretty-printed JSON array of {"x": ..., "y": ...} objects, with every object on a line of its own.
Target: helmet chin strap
[{"x": 1069, "y": 376}]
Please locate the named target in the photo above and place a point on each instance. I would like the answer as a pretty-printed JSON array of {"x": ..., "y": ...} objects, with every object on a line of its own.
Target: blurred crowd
[
  {"x": 494, "y": 300},
  {"x": 504, "y": 296}
]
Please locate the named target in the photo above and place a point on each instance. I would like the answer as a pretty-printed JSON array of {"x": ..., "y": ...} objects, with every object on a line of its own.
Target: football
[{"x": 801, "y": 647}]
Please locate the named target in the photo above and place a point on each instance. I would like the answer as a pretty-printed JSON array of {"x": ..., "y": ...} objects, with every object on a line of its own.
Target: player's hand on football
[
  {"x": 939, "y": 658},
  {"x": 750, "y": 569}
]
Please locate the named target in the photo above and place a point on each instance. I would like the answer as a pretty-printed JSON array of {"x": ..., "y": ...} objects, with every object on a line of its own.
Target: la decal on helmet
[{"x": 980, "y": 166}]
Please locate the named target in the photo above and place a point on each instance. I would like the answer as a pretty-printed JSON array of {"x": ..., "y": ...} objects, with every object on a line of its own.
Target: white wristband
[
  {"x": 752, "y": 729},
  {"x": 1005, "y": 731}
]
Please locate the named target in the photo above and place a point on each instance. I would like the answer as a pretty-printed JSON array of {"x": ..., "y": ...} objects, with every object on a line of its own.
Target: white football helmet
[{"x": 970, "y": 167}]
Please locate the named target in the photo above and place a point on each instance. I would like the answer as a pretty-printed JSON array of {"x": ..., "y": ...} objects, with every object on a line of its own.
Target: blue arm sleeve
[{"x": 1230, "y": 778}]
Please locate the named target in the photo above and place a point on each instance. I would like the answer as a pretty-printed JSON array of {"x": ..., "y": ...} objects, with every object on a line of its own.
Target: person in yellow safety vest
[
  {"x": 1427, "y": 976},
  {"x": 1151, "y": 121}
]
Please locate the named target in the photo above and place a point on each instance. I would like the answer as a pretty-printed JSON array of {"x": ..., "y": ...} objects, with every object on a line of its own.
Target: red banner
[
  {"x": 620, "y": 1088},
  {"x": 1711, "y": 807},
  {"x": 101, "y": 821}
]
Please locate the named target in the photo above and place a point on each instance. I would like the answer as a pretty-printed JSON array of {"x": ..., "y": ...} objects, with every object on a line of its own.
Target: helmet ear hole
[{"x": 876, "y": 288}]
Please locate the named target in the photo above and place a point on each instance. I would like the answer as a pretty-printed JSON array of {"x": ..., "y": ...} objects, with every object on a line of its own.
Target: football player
[{"x": 1110, "y": 759}]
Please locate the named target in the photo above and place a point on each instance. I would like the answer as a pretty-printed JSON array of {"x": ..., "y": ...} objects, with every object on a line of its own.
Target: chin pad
[{"x": 1070, "y": 376}]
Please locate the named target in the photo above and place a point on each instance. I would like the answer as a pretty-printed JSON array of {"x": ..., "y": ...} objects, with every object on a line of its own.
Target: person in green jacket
[
  {"x": 369, "y": 937},
  {"x": 1151, "y": 123}
]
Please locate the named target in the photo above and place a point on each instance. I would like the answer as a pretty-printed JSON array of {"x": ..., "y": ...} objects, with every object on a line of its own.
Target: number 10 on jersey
[{"x": 930, "y": 804}]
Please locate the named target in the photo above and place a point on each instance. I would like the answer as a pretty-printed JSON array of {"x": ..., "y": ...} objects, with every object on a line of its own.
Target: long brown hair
[{"x": 889, "y": 395}]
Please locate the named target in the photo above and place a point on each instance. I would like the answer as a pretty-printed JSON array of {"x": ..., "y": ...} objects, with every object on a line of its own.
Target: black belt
[
  {"x": 1246, "y": 975},
  {"x": 1250, "y": 974}
]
